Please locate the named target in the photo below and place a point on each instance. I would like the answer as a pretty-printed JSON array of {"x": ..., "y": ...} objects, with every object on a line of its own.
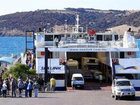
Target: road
[{"x": 71, "y": 97}]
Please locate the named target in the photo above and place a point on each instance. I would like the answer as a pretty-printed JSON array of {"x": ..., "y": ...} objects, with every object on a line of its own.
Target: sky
[{"x": 12, "y": 6}]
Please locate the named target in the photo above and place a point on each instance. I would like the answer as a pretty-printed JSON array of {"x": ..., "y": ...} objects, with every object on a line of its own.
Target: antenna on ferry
[{"x": 77, "y": 24}]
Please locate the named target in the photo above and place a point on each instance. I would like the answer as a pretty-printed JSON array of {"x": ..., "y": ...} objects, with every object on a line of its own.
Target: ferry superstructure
[{"x": 83, "y": 52}]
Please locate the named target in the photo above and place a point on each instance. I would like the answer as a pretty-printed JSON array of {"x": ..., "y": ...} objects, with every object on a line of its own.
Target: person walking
[
  {"x": 41, "y": 84},
  {"x": 14, "y": 87},
  {"x": 52, "y": 84},
  {"x": 25, "y": 87},
  {"x": 30, "y": 88},
  {"x": 1, "y": 83},
  {"x": 8, "y": 85},
  {"x": 20, "y": 87},
  {"x": 35, "y": 87},
  {"x": 4, "y": 89}
]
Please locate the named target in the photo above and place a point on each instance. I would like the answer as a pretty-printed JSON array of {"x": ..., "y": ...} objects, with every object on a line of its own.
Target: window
[
  {"x": 108, "y": 38},
  {"x": 123, "y": 83},
  {"x": 78, "y": 78},
  {"x": 48, "y": 37},
  {"x": 99, "y": 37},
  {"x": 116, "y": 37}
]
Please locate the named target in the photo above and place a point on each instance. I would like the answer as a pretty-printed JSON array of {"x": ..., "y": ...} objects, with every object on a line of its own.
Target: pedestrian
[
  {"x": 52, "y": 84},
  {"x": 30, "y": 88},
  {"x": 4, "y": 89},
  {"x": 1, "y": 82},
  {"x": 8, "y": 85},
  {"x": 41, "y": 84},
  {"x": 25, "y": 87},
  {"x": 20, "y": 87},
  {"x": 36, "y": 87},
  {"x": 14, "y": 87}
]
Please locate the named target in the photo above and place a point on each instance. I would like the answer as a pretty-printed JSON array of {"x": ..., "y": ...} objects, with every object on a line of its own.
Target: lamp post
[
  {"x": 66, "y": 74},
  {"x": 46, "y": 76}
]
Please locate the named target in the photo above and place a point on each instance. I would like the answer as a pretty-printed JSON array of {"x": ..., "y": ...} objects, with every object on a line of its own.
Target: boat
[{"x": 84, "y": 51}]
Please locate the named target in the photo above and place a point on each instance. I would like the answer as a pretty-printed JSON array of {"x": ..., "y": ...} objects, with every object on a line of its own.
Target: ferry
[{"x": 91, "y": 53}]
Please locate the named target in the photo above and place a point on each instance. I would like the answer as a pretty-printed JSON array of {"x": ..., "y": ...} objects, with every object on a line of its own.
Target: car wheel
[
  {"x": 133, "y": 97},
  {"x": 116, "y": 97},
  {"x": 112, "y": 96}
]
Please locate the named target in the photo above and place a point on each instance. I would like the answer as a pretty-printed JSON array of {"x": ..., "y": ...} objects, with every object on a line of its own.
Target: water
[{"x": 13, "y": 45}]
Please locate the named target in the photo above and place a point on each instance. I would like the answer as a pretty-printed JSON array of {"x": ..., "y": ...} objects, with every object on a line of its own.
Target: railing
[
  {"x": 96, "y": 44},
  {"x": 85, "y": 43}
]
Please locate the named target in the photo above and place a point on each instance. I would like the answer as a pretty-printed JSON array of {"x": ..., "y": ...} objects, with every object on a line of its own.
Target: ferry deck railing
[
  {"x": 97, "y": 44},
  {"x": 86, "y": 43}
]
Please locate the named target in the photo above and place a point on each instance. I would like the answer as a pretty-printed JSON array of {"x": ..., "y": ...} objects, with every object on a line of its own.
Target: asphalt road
[{"x": 72, "y": 97}]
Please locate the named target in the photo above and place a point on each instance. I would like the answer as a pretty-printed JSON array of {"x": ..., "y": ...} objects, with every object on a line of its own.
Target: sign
[
  {"x": 83, "y": 49},
  {"x": 56, "y": 69},
  {"x": 53, "y": 66}
]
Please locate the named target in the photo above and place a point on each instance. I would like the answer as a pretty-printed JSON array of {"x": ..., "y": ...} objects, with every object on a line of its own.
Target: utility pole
[{"x": 46, "y": 76}]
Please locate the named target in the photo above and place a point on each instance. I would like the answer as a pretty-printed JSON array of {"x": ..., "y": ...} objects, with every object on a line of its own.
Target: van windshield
[
  {"x": 78, "y": 78},
  {"x": 123, "y": 83}
]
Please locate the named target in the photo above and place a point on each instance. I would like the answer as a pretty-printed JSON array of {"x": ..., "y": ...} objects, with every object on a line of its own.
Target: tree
[{"x": 19, "y": 70}]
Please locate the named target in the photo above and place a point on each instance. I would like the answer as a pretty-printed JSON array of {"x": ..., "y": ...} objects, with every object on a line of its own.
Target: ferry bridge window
[
  {"x": 59, "y": 37},
  {"x": 48, "y": 37},
  {"x": 108, "y": 37},
  {"x": 116, "y": 37},
  {"x": 99, "y": 37},
  {"x": 121, "y": 54}
]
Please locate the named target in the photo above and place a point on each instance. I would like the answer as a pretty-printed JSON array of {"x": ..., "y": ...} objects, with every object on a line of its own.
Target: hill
[{"x": 18, "y": 23}]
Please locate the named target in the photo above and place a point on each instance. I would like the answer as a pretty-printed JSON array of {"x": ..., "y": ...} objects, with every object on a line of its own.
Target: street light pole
[{"x": 46, "y": 76}]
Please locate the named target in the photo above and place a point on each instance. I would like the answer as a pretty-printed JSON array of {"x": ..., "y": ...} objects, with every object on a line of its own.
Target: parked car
[
  {"x": 122, "y": 88},
  {"x": 77, "y": 80}
]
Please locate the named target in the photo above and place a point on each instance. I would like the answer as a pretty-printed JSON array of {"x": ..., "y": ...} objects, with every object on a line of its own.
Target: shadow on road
[
  {"x": 97, "y": 86},
  {"x": 137, "y": 98}
]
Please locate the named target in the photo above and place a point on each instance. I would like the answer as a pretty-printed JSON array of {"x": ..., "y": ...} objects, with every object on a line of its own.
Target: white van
[{"x": 77, "y": 80}]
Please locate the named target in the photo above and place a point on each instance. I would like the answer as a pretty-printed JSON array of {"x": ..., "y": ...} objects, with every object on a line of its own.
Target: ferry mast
[{"x": 77, "y": 24}]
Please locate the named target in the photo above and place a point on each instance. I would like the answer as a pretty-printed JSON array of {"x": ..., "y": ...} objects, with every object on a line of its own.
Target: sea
[
  {"x": 17, "y": 45},
  {"x": 14, "y": 45}
]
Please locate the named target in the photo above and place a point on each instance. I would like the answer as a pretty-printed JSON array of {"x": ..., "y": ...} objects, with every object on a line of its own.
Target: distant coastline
[{"x": 2, "y": 35}]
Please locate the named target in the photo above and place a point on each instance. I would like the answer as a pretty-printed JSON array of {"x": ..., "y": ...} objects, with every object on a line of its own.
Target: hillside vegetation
[{"x": 18, "y": 23}]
